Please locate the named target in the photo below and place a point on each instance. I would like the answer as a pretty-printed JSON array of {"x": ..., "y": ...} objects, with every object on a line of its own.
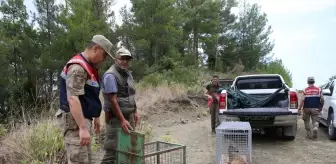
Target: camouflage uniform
[
  {"x": 313, "y": 99},
  {"x": 126, "y": 102},
  {"x": 75, "y": 87},
  {"x": 313, "y": 114},
  {"x": 80, "y": 78}
]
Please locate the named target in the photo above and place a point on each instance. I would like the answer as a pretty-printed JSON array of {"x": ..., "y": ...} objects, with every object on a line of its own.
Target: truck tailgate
[{"x": 259, "y": 112}]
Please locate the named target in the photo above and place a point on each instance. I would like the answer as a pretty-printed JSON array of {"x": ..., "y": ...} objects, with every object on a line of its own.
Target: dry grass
[
  {"x": 42, "y": 141},
  {"x": 36, "y": 143},
  {"x": 148, "y": 97}
]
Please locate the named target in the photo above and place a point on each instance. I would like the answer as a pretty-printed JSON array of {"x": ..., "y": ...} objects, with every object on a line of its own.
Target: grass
[
  {"x": 36, "y": 143},
  {"x": 168, "y": 138},
  {"x": 146, "y": 129},
  {"x": 42, "y": 141}
]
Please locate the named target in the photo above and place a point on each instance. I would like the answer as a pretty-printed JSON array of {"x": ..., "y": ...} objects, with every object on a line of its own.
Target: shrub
[
  {"x": 276, "y": 67},
  {"x": 36, "y": 143},
  {"x": 44, "y": 140}
]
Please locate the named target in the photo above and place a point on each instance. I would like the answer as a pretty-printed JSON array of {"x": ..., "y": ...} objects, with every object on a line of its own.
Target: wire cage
[
  {"x": 164, "y": 153},
  {"x": 234, "y": 143},
  {"x": 131, "y": 149},
  {"x": 155, "y": 153}
]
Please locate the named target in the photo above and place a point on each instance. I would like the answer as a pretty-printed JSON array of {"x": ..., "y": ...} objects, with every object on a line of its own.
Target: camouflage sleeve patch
[{"x": 76, "y": 79}]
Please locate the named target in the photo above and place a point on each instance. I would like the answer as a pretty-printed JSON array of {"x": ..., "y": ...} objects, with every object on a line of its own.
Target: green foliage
[
  {"x": 277, "y": 67},
  {"x": 44, "y": 141},
  {"x": 179, "y": 74},
  {"x": 164, "y": 36},
  {"x": 332, "y": 78},
  {"x": 153, "y": 79},
  {"x": 168, "y": 138},
  {"x": 34, "y": 52},
  {"x": 2, "y": 130}
]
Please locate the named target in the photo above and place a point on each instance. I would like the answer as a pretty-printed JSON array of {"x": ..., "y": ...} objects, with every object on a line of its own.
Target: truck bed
[
  {"x": 259, "y": 112},
  {"x": 262, "y": 117}
]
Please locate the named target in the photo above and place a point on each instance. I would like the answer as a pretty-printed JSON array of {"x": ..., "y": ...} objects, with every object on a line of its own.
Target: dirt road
[
  {"x": 266, "y": 150},
  {"x": 187, "y": 129}
]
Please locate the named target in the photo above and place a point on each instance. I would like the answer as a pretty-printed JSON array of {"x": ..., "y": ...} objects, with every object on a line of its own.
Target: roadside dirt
[
  {"x": 266, "y": 149},
  {"x": 192, "y": 129}
]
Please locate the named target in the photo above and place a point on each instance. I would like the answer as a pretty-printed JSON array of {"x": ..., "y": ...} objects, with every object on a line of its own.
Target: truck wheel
[{"x": 331, "y": 128}]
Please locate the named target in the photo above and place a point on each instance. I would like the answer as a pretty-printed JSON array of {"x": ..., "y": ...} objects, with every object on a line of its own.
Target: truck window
[{"x": 259, "y": 83}]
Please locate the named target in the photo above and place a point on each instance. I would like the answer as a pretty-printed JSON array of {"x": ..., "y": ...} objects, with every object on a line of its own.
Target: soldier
[
  {"x": 213, "y": 103},
  {"x": 79, "y": 99},
  {"x": 119, "y": 102},
  {"x": 311, "y": 104}
]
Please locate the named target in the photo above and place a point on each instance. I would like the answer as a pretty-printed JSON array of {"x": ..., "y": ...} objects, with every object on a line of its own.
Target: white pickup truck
[
  {"x": 328, "y": 113},
  {"x": 280, "y": 113}
]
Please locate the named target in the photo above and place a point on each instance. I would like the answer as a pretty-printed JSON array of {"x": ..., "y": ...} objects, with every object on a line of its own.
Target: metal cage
[
  {"x": 157, "y": 153},
  {"x": 164, "y": 153},
  {"x": 234, "y": 143}
]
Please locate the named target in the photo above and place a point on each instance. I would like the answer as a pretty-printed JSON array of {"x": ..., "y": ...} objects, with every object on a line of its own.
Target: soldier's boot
[
  {"x": 314, "y": 133},
  {"x": 308, "y": 135},
  {"x": 213, "y": 131}
]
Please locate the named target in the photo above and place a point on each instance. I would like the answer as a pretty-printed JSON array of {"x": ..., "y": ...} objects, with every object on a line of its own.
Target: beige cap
[
  {"x": 311, "y": 78},
  {"x": 103, "y": 43},
  {"x": 124, "y": 52}
]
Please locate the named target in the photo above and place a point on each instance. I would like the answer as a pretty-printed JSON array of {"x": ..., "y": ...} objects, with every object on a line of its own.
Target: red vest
[
  {"x": 91, "y": 71},
  {"x": 312, "y": 96},
  {"x": 90, "y": 102}
]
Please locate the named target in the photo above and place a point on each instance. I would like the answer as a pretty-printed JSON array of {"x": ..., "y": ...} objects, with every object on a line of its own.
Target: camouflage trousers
[
  {"x": 110, "y": 143},
  {"x": 313, "y": 114},
  {"x": 76, "y": 154}
]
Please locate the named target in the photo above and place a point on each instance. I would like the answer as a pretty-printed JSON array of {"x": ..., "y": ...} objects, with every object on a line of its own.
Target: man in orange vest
[{"x": 311, "y": 105}]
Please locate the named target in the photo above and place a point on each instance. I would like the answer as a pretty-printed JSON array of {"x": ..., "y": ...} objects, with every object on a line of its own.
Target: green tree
[
  {"x": 332, "y": 78},
  {"x": 14, "y": 35},
  {"x": 277, "y": 67},
  {"x": 48, "y": 32},
  {"x": 252, "y": 34},
  {"x": 157, "y": 31}
]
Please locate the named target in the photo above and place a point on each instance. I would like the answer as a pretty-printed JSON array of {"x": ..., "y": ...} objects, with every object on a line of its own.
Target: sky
[{"x": 303, "y": 32}]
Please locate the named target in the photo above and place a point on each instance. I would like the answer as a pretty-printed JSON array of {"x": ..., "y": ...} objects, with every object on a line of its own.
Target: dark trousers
[
  {"x": 111, "y": 142},
  {"x": 214, "y": 113}
]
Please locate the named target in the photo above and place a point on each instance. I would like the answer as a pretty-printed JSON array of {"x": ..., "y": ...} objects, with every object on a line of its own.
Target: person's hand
[
  {"x": 300, "y": 113},
  {"x": 209, "y": 97},
  {"x": 84, "y": 136},
  {"x": 96, "y": 123},
  {"x": 125, "y": 125},
  {"x": 136, "y": 118}
]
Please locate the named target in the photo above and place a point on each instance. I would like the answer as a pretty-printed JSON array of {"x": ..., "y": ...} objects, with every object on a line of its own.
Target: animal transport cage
[
  {"x": 164, "y": 153},
  {"x": 131, "y": 149},
  {"x": 234, "y": 143}
]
